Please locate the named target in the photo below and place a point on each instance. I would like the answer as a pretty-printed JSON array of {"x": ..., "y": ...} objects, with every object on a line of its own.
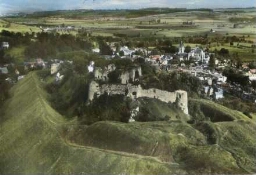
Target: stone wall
[
  {"x": 102, "y": 74},
  {"x": 130, "y": 75},
  {"x": 179, "y": 96},
  {"x": 113, "y": 89},
  {"x": 55, "y": 68}
]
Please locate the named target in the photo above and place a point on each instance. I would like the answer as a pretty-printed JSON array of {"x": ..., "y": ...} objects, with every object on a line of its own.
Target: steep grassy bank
[{"x": 31, "y": 142}]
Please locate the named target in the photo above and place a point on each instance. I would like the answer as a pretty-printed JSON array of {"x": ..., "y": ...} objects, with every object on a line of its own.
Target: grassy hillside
[
  {"x": 35, "y": 139},
  {"x": 31, "y": 141},
  {"x": 216, "y": 112},
  {"x": 156, "y": 110}
]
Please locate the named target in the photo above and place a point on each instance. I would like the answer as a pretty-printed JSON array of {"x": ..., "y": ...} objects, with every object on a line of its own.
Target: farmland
[{"x": 183, "y": 24}]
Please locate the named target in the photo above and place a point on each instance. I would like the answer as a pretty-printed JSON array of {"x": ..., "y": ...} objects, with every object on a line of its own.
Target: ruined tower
[
  {"x": 182, "y": 100},
  {"x": 93, "y": 88}
]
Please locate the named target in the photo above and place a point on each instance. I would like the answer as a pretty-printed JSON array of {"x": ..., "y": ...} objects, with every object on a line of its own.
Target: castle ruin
[
  {"x": 134, "y": 91},
  {"x": 132, "y": 75},
  {"x": 179, "y": 96}
]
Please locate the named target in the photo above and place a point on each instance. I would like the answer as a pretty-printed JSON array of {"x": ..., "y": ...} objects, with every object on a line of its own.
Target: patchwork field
[{"x": 168, "y": 25}]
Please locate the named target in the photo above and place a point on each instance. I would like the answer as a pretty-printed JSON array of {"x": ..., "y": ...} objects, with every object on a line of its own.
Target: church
[{"x": 197, "y": 53}]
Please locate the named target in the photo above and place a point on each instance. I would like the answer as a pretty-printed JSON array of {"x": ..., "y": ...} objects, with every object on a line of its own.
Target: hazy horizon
[{"x": 7, "y": 6}]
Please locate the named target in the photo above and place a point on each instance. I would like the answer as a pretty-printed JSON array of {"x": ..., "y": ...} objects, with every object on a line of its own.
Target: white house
[
  {"x": 218, "y": 94},
  {"x": 126, "y": 50},
  {"x": 3, "y": 70},
  {"x": 5, "y": 45},
  {"x": 220, "y": 78},
  {"x": 251, "y": 74},
  {"x": 208, "y": 90},
  {"x": 96, "y": 50}
]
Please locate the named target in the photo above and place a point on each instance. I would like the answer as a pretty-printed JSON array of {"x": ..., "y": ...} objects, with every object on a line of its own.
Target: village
[{"x": 215, "y": 84}]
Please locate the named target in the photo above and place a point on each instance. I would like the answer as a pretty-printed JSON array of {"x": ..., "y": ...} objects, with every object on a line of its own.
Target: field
[
  {"x": 36, "y": 139},
  {"x": 14, "y": 27},
  {"x": 244, "y": 50},
  {"x": 170, "y": 25}
]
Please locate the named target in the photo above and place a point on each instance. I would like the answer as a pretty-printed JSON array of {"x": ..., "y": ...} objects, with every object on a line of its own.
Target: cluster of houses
[
  {"x": 34, "y": 64},
  {"x": 58, "y": 29},
  {"x": 213, "y": 81},
  {"x": 197, "y": 54}
]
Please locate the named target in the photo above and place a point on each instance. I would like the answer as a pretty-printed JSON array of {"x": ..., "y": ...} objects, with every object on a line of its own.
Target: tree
[
  {"x": 114, "y": 76},
  {"x": 233, "y": 76},
  {"x": 253, "y": 83},
  {"x": 155, "y": 52},
  {"x": 80, "y": 64},
  {"x": 212, "y": 61},
  {"x": 174, "y": 49},
  {"x": 121, "y": 53},
  {"x": 117, "y": 45},
  {"x": 2, "y": 56},
  {"x": 138, "y": 52},
  {"x": 224, "y": 52},
  {"x": 187, "y": 49},
  {"x": 4, "y": 86},
  {"x": 105, "y": 48},
  {"x": 238, "y": 62},
  {"x": 130, "y": 44},
  {"x": 167, "y": 42},
  {"x": 252, "y": 65}
]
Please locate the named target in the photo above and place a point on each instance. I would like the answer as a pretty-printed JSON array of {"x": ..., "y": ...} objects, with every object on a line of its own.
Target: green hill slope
[
  {"x": 35, "y": 139},
  {"x": 31, "y": 141}
]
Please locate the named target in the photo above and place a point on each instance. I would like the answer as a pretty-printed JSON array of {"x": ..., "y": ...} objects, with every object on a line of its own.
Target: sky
[{"x": 8, "y": 6}]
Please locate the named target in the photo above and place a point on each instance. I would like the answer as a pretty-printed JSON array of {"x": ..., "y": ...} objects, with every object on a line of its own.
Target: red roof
[
  {"x": 155, "y": 57},
  {"x": 253, "y": 71}
]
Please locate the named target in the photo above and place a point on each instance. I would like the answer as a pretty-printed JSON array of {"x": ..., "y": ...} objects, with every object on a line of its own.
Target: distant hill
[
  {"x": 35, "y": 139},
  {"x": 129, "y": 13}
]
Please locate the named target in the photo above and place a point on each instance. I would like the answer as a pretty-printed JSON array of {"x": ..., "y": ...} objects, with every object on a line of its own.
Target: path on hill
[{"x": 121, "y": 153}]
